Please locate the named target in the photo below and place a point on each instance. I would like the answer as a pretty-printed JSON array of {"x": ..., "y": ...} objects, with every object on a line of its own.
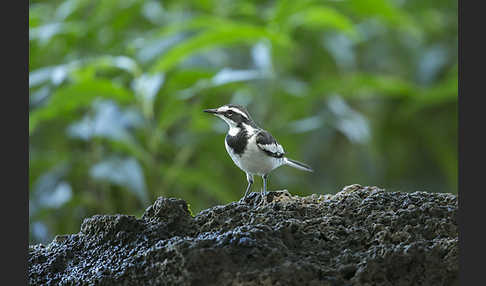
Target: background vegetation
[{"x": 363, "y": 91}]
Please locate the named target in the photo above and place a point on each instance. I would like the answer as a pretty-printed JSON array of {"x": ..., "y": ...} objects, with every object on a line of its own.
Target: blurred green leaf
[
  {"x": 446, "y": 90},
  {"x": 323, "y": 17},
  {"x": 284, "y": 9},
  {"x": 217, "y": 37},
  {"x": 356, "y": 85},
  {"x": 382, "y": 9},
  {"x": 66, "y": 100},
  {"x": 124, "y": 172},
  {"x": 204, "y": 22}
]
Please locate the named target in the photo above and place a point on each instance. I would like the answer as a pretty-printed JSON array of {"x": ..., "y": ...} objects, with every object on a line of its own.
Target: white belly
[{"x": 254, "y": 161}]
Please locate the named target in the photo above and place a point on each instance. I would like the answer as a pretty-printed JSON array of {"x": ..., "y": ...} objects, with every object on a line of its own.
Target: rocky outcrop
[{"x": 360, "y": 236}]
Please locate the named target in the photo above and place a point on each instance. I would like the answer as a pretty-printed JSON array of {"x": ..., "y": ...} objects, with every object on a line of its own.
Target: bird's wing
[{"x": 269, "y": 145}]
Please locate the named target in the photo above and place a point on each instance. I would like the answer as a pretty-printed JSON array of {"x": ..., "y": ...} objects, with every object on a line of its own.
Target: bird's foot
[
  {"x": 264, "y": 192},
  {"x": 254, "y": 198},
  {"x": 249, "y": 198},
  {"x": 263, "y": 196}
]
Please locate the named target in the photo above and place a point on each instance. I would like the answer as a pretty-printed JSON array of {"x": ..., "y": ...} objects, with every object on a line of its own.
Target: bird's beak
[{"x": 213, "y": 111}]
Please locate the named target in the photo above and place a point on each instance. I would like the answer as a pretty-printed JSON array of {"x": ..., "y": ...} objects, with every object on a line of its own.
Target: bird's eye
[{"x": 230, "y": 113}]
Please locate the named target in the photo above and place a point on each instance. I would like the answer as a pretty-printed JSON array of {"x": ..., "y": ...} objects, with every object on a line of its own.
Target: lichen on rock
[{"x": 359, "y": 236}]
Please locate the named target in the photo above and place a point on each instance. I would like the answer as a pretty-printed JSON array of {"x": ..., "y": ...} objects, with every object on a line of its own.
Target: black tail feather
[{"x": 298, "y": 165}]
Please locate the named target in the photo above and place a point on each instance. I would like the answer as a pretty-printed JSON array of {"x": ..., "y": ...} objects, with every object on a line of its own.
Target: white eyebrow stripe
[
  {"x": 238, "y": 111},
  {"x": 223, "y": 109}
]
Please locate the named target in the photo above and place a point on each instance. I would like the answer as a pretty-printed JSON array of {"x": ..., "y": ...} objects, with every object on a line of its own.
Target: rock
[{"x": 360, "y": 236}]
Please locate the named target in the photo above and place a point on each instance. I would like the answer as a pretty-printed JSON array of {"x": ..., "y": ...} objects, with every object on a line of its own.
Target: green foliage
[
  {"x": 215, "y": 37},
  {"x": 363, "y": 91}
]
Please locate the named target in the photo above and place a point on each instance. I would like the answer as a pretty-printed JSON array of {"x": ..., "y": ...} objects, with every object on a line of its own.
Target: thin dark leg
[
  {"x": 249, "y": 178},
  {"x": 264, "y": 192}
]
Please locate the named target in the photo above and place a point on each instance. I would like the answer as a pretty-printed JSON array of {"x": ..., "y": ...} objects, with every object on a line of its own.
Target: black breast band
[{"x": 238, "y": 142}]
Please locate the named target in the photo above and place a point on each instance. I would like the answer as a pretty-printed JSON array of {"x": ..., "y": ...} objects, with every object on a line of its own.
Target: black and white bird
[{"x": 253, "y": 149}]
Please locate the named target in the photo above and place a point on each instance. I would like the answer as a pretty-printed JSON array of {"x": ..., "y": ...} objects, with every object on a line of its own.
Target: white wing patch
[
  {"x": 268, "y": 144},
  {"x": 273, "y": 148}
]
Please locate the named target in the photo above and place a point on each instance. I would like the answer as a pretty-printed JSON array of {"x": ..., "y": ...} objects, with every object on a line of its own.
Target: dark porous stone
[{"x": 360, "y": 236}]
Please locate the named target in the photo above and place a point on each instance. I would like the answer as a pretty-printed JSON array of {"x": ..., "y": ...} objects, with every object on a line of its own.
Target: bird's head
[{"x": 234, "y": 115}]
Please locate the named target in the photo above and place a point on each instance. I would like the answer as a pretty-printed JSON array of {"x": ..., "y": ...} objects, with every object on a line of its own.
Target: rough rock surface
[{"x": 360, "y": 236}]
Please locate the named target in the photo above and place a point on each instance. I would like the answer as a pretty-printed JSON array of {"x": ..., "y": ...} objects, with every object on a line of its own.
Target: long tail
[{"x": 297, "y": 165}]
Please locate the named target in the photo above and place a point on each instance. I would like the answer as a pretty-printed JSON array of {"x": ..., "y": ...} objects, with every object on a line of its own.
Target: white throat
[{"x": 233, "y": 130}]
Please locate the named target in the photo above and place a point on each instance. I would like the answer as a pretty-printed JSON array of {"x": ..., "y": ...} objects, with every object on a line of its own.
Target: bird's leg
[
  {"x": 264, "y": 192},
  {"x": 249, "y": 178}
]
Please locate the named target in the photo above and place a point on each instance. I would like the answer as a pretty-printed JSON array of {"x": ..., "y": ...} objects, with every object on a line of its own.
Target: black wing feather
[{"x": 269, "y": 145}]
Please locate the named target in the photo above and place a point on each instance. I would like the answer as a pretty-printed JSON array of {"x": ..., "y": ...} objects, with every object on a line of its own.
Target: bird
[{"x": 253, "y": 149}]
